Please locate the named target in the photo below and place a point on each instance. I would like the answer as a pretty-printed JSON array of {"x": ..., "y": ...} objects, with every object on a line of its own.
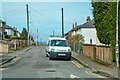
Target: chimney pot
[
  {"x": 88, "y": 18},
  {"x": 75, "y": 24}
]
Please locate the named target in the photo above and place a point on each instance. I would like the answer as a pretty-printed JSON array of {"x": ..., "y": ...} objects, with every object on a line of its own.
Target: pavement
[
  {"x": 4, "y": 58},
  {"x": 110, "y": 71}
]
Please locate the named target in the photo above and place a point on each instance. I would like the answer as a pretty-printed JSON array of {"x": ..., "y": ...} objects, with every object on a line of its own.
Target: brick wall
[
  {"x": 16, "y": 44},
  {"x": 3, "y": 48}
]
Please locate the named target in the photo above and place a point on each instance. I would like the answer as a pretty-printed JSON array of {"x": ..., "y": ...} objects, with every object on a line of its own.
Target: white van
[{"x": 58, "y": 48}]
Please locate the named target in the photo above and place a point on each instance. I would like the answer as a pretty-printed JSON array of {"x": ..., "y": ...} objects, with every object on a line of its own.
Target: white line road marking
[
  {"x": 73, "y": 76},
  {"x": 1, "y": 69},
  {"x": 86, "y": 71}
]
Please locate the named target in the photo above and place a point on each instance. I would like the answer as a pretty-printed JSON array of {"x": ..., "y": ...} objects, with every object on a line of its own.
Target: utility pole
[
  {"x": 3, "y": 29},
  {"x": 37, "y": 36},
  {"x": 53, "y": 33},
  {"x": 117, "y": 46},
  {"x": 62, "y": 23},
  {"x": 27, "y": 22}
]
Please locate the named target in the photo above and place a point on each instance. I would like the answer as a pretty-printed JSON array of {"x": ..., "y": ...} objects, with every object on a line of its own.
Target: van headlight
[
  {"x": 69, "y": 50},
  {"x": 52, "y": 50}
]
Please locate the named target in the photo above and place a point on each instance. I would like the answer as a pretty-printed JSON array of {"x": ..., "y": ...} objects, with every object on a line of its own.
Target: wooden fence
[{"x": 98, "y": 52}]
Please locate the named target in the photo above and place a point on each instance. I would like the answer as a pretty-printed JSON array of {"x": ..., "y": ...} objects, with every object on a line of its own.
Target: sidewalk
[
  {"x": 8, "y": 56},
  {"x": 95, "y": 66}
]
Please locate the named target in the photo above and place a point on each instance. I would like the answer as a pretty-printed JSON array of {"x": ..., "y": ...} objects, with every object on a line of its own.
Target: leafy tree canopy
[
  {"x": 105, "y": 16},
  {"x": 105, "y": 22},
  {"x": 24, "y": 34}
]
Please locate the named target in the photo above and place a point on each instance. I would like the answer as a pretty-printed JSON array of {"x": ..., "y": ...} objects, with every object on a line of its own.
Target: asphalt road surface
[{"x": 35, "y": 64}]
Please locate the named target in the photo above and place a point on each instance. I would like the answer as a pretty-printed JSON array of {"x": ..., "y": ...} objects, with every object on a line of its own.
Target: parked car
[{"x": 58, "y": 48}]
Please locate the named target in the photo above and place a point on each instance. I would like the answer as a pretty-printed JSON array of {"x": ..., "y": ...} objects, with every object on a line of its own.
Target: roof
[
  {"x": 89, "y": 24},
  {"x": 69, "y": 31},
  {"x": 1, "y": 21},
  {"x": 7, "y": 27}
]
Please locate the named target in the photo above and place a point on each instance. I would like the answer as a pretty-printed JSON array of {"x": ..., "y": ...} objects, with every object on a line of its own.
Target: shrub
[
  {"x": 7, "y": 36},
  {"x": 13, "y": 37}
]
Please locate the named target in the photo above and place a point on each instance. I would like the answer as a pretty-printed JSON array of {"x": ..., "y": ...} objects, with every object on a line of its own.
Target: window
[
  {"x": 90, "y": 41},
  {"x": 59, "y": 43}
]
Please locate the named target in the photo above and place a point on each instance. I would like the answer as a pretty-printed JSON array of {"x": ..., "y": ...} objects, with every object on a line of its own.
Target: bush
[
  {"x": 7, "y": 36},
  {"x": 13, "y": 37},
  {"x": 18, "y": 37}
]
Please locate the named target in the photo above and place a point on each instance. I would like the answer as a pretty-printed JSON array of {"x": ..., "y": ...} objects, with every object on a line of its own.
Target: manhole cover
[{"x": 50, "y": 71}]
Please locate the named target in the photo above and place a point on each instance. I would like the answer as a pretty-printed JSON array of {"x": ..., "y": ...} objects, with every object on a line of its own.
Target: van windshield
[{"x": 59, "y": 43}]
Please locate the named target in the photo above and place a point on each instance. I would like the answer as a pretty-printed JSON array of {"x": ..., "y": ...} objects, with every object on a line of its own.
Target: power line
[
  {"x": 16, "y": 13},
  {"x": 44, "y": 15},
  {"x": 12, "y": 11}
]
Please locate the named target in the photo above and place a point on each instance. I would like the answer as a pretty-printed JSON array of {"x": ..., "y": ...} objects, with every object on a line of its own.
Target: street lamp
[{"x": 117, "y": 46}]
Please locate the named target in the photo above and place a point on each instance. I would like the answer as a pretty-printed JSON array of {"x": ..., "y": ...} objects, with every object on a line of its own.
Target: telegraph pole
[
  {"x": 62, "y": 23},
  {"x": 117, "y": 46},
  {"x": 27, "y": 22},
  {"x": 37, "y": 36},
  {"x": 53, "y": 33}
]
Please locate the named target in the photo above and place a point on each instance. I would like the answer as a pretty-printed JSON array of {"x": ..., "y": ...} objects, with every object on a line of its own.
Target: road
[{"x": 34, "y": 64}]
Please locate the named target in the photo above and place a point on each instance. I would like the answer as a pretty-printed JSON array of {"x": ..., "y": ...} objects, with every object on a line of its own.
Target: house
[
  {"x": 8, "y": 30},
  {"x": 88, "y": 31},
  {"x": 68, "y": 35},
  {"x": 74, "y": 29}
]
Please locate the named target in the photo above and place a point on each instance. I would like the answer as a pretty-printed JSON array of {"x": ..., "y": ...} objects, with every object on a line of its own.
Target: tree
[
  {"x": 24, "y": 34},
  {"x": 105, "y": 22},
  {"x": 78, "y": 40}
]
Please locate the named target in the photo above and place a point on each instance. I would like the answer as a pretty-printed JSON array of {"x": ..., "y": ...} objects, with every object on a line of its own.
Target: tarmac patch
[{"x": 50, "y": 70}]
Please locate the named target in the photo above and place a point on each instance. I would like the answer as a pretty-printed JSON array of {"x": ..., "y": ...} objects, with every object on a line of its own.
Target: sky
[{"x": 45, "y": 16}]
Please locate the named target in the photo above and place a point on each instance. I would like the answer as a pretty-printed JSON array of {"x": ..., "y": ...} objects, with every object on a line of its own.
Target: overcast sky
[{"x": 46, "y": 16}]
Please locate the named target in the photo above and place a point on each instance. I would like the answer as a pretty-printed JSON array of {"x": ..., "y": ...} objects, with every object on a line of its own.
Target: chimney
[
  {"x": 88, "y": 19},
  {"x": 73, "y": 26}
]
